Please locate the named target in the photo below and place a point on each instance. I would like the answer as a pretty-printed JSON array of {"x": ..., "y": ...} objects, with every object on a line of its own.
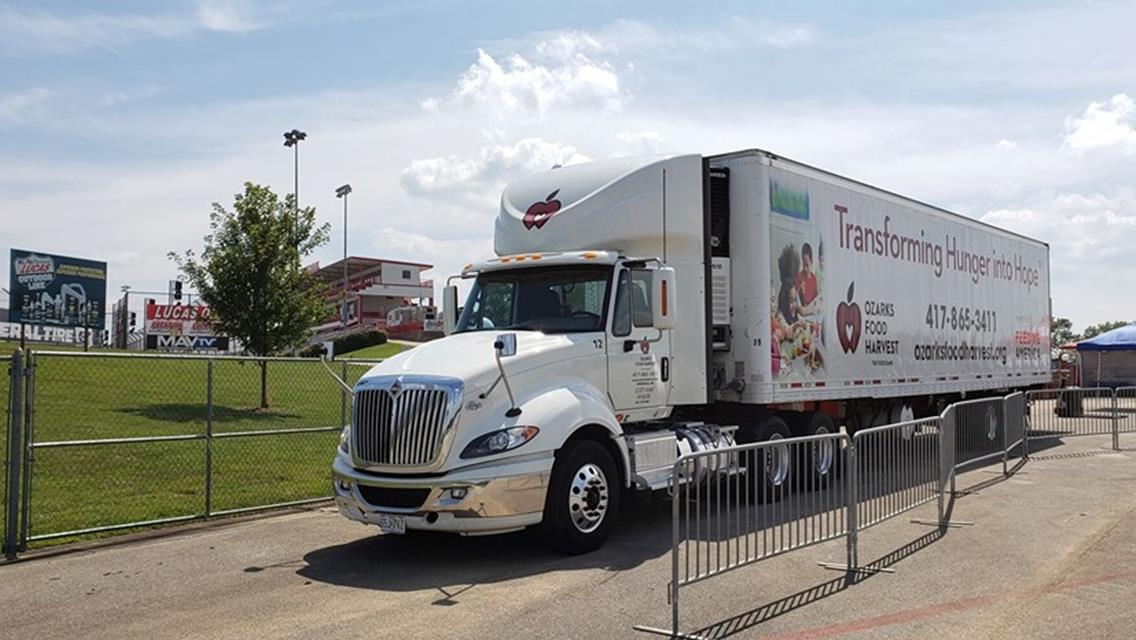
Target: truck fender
[{"x": 576, "y": 406}]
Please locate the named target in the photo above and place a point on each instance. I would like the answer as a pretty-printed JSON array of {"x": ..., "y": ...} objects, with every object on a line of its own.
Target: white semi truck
[{"x": 641, "y": 308}]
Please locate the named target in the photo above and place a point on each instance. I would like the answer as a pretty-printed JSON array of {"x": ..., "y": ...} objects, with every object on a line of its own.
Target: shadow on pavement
[
  {"x": 777, "y": 608},
  {"x": 452, "y": 564}
]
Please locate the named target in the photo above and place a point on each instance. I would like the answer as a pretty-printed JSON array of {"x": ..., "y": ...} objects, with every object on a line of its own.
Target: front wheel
[{"x": 583, "y": 498}]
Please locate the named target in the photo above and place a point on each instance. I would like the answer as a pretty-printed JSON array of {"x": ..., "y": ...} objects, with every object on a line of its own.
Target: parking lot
[{"x": 1051, "y": 554}]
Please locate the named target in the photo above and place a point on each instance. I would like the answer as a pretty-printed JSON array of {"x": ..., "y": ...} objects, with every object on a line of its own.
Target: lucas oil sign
[
  {"x": 47, "y": 289},
  {"x": 181, "y": 327}
]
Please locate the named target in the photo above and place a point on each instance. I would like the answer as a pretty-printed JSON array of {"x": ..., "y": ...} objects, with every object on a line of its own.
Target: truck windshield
[{"x": 552, "y": 300}]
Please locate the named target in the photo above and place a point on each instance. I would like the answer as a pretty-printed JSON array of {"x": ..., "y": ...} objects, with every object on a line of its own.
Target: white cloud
[
  {"x": 1006, "y": 145},
  {"x": 16, "y": 107},
  {"x": 226, "y": 15},
  {"x": 1104, "y": 125},
  {"x": 488, "y": 170},
  {"x": 1090, "y": 238},
  {"x": 517, "y": 86},
  {"x": 639, "y": 143},
  {"x": 116, "y": 98},
  {"x": 34, "y": 31},
  {"x": 631, "y": 37}
]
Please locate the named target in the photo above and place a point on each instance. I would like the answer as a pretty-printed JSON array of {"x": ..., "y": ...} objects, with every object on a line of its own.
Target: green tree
[
  {"x": 1094, "y": 330},
  {"x": 251, "y": 277},
  {"x": 1061, "y": 332}
]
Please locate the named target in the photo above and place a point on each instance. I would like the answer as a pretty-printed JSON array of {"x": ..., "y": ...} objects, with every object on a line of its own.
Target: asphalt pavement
[{"x": 1051, "y": 554}]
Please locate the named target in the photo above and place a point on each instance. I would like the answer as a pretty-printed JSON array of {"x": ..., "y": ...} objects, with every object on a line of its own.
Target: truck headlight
[
  {"x": 345, "y": 439},
  {"x": 499, "y": 441}
]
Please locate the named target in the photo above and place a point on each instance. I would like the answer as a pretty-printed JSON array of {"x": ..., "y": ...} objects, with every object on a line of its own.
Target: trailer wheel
[
  {"x": 816, "y": 463},
  {"x": 770, "y": 468},
  {"x": 583, "y": 498}
]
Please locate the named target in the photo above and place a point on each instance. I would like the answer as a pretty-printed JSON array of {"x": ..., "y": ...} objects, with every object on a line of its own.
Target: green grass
[
  {"x": 85, "y": 397},
  {"x": 98, "y": 396},
  {"x": 376, "y": 352}
]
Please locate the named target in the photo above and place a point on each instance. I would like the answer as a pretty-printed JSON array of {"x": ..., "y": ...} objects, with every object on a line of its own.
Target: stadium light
[
  {"x": 342, "y": 192},
  {"x": 292, "y": 139}
]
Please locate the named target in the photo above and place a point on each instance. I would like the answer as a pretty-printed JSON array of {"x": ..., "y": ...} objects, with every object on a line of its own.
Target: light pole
[
  {"x": 292, "y": 139},
  {"x": 342, "y": 192}
]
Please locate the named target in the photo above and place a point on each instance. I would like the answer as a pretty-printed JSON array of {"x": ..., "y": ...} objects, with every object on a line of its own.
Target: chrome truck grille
[{"x": 403, "y": 421}]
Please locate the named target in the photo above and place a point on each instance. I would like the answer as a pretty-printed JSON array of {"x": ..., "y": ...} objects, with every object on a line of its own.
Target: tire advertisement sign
[
  {"x": 867, "y": 288},
  {"x": 181, "y": 327},
  {"x": 48, "y": 289}
]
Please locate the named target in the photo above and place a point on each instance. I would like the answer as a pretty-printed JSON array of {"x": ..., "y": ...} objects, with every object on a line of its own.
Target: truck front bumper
[{"x": 504, "y": 497}]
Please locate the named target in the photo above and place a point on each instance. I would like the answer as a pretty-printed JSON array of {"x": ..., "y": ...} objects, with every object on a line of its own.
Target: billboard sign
[
  {"x": 178, "y": 320},
  {"x": 47, "y": 289},
  {"x": 182, "y": 327}
]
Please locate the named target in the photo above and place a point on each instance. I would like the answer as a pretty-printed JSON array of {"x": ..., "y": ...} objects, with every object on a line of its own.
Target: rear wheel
[
  {"x": 583, "y": 498},
  {"x": 770, "y": 466},
  {"x": 817, "y": 460}
]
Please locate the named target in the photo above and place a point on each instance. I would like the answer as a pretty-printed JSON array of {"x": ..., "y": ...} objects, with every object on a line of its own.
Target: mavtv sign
[{"x": 188, "y": 343}]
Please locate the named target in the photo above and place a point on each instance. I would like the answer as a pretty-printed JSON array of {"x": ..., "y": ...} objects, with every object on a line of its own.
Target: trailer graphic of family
[{"x": 797, "y": 317}]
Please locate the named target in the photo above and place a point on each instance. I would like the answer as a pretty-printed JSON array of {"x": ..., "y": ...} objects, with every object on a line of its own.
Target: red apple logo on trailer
[
  {"x": 538, "y": 213},
  {"x": 848, "y": 322}
]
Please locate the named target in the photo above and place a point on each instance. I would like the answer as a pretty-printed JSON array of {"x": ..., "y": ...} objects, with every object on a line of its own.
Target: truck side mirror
[
  {"x": 506, "y": 345},
  {"x": 663, "y": 298},
  {"x": 450, "y": 308}
]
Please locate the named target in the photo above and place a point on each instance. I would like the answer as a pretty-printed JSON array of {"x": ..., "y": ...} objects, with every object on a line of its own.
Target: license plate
[{"x": 392, "y": 523}]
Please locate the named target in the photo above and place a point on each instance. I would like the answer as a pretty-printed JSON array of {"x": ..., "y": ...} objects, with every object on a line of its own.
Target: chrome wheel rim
[
  {"x": 588, "y": 498},
  {"x": 823, "y": 452},
  {"x": 777, "y": 461}
]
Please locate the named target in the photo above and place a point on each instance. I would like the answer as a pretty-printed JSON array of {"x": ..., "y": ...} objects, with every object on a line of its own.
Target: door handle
[{"x": 628, "y": 345}]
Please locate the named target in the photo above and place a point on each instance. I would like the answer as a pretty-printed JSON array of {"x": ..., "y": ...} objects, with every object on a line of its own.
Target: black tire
[
  {"x": 816, "y": 464},
  {"x": 770, "y": 468},
  {"x": 573, "y": 474}
]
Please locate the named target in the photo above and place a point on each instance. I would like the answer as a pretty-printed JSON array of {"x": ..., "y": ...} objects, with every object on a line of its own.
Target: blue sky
[{"x": 122, "y": 122}]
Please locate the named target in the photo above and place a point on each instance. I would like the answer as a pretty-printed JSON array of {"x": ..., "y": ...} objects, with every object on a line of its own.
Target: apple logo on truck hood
[{"x": 540, "y": 212}]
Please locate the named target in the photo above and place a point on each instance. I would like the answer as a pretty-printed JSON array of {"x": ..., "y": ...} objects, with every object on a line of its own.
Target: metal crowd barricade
[
  {"x": 735, "y": 506},
  {"x": 738, "y": 505},
  {"x": 897, "y": 469},
  {"x": 1125, "y": 409},
  {"x": 1071, "y": 411},
  {"x": 978, "y": 430},
  {"x": 1014, "y": 414}
]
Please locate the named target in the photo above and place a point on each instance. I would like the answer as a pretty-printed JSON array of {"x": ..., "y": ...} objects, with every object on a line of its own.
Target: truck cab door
[{"x": 638, "y": 354}]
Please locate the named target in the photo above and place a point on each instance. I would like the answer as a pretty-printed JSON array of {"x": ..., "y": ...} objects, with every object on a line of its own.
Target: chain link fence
[{"x": 115, "y": 441}]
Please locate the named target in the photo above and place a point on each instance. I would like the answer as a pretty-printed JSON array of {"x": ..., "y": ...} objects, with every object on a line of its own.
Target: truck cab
[{"x": 584, "y": 332}]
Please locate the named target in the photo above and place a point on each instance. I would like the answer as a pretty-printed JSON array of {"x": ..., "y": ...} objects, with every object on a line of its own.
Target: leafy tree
[
  {"x": 1061, "y": 332},
  {"x": 1094, "y": 330},
  {"x": 251, "y": 277}
]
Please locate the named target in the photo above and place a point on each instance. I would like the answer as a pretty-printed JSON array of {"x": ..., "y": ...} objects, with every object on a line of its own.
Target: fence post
[
  {"x": 1115, "y": 422},
  {"x": 343, "y": 396},
  {"x": 28, "y": 448},
  {"x": 853, "y": 511},
  {"x": 209, "y": 438},
  {"x": 12, "y": 488},
  {"x": 1005, "y": 435},
  {"x": 672, "y": 590},
  {"x": 1027, "y": 421}
]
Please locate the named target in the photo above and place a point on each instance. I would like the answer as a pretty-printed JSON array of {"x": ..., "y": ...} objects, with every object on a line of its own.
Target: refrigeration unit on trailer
[{"x": 638, "y": 309}]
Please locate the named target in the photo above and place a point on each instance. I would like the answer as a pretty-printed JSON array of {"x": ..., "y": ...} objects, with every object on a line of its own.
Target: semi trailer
[{"x": 638, "y": 309}]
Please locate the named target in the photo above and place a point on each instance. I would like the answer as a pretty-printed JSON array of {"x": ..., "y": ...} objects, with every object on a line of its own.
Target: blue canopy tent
[{"x": 1113, "y": 359}]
